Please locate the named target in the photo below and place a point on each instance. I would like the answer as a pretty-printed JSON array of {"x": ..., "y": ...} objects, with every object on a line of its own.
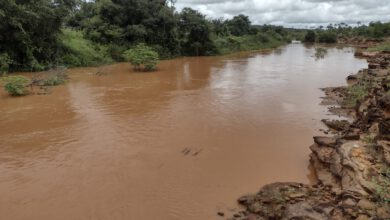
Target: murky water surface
[{"x": 180, "y": 143}]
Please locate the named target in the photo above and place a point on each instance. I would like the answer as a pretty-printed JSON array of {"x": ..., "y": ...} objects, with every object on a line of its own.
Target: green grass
[
  {"x": 355, "y": 94},
  {"x": 79, "y": 51},
  {"x": 385, "y": 46}
]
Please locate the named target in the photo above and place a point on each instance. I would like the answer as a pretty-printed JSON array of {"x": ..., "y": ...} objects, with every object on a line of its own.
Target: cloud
[{"x": 301, "y": 13}]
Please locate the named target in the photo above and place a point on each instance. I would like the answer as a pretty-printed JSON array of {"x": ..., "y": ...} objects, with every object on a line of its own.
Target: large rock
[
  {"x": 325, "y": 141},
  {"x": 338, "y": 125}
]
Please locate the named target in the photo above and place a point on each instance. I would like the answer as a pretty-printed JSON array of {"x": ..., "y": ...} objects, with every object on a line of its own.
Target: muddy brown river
[{"x": 180, "y": 143}]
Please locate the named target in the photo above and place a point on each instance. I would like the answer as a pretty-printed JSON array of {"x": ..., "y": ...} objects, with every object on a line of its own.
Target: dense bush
[
  {"x": 16, "y": 85},
  {"x": 29, "y": 31},
  {"x": 195, "y": 34},
  {"x": 78, "y": 51},
  {"x": 240, "y": 25},
  {"x": 5, "y": 60},
  {"x": 142, "y": 56},
  {"x": 310, "y": 37},
  {"x": 320, "y": 53},
  {"x": 327, "y": 37}
]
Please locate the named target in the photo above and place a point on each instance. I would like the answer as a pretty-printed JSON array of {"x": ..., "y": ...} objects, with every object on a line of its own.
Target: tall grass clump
[
  {"x": 79, "y": 51},
  {"x": 355, "y": 94},
  {"x": 16, "y": 85}
]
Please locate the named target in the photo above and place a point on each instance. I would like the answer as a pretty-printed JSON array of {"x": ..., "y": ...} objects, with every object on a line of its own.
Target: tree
[
  {"x": 29, "y": 31},
  {"x": 195, "y": 33},
  {"x": 220, "y": 27},
  {"x": 240, "y": 25},
  {"x": 80, "y": 15},
  {"x": 125, "y": 22},
  {"x": 142, "y": 55},
  {"x": 327, "y": 37},
  {"x": 310, "y": 37}
]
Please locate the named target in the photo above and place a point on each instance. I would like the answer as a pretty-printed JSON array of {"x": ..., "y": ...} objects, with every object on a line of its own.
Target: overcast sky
[{"x": 294, "y": 13}]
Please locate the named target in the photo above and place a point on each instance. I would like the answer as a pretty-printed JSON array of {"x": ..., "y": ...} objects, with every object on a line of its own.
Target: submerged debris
[{"x": 41, "y": 83}]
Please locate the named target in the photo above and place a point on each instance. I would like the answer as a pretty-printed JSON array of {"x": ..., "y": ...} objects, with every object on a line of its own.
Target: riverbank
[
  {"x": 352, "y": 163},
  {"x": 83, "y": 52}
]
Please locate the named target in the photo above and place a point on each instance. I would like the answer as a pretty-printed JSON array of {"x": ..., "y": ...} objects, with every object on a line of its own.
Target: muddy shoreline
[{"x": 351, "y": 160}]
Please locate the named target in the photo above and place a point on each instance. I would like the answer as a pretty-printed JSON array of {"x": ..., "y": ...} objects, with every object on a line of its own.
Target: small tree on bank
[{"x": 142, "y": 57}]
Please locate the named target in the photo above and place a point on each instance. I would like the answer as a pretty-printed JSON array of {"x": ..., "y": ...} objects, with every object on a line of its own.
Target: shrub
[
  {"x": 53, "y": 77},
  {"x": 385, "y": 46},
  {"x": 5, "y": 60},
  {"x": 310, "y": 37},
  {"x": 142, "y": 55},
  {"x": 53, "y": 81},
  {"x": 327, "y": 37},
  {"x": 16, "y": 85},
  {"x": 79, "y": 51},
  {"x": 320, "y": 53},
  {"x": 355, "y": 94}
]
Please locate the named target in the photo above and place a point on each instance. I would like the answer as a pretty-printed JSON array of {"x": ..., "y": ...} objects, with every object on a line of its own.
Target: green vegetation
[
  {"x": 16, "y": 85},
  {"x": 310, "y": 37},
  {"x": 320, "y": 52},
  {"x": 327, "y": 37},
  {"x": 142, "y": 55},
  {"x": 29, "y": 32},
  {"x": 240, "y": 25},
  {"x": 53, "y": 81},
  {"x": 385, "y": 46},
  {"x": 232, "y": 44},
  {"x": 334, "y": 32},
  {"x": 4, "y": 63},
  {"x": 42, "y": 34},
  {"x": 382, "y": 186},
  {"x": 355, "y": 93},
  {"x": 376, "y": 30},
  {"x": 53, "y": 77},
  {"x": 78, "y": 51}
]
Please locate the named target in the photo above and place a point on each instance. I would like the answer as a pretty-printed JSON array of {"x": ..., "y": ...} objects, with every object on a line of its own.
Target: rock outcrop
[{"x": 352, "y": 166}]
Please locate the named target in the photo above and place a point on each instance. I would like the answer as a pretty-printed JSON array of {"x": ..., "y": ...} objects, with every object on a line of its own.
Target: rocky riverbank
[{"x": 352, "y": 161}]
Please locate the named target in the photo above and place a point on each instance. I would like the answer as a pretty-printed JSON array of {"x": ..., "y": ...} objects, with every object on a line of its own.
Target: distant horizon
[{"x": 304, "y": 14}]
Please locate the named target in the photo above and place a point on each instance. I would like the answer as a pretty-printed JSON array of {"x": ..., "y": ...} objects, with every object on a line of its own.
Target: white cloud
[{"x": 302, "y": 13}]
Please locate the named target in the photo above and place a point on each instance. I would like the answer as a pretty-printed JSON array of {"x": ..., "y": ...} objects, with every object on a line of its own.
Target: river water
[{"x": 180, "y": 143}]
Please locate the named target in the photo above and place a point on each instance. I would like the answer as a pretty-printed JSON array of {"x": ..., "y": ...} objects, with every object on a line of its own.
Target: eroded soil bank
[{"x": 352, "y": 163}]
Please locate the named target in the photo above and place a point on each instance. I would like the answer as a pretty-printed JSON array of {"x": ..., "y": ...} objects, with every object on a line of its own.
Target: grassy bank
[
  {"x": 384, "y": 46},
  {"x": 79, "y": 51}
]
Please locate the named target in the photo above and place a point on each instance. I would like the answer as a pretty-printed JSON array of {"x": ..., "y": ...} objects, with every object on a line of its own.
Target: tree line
[
  {"x": 38, "y": 34},
  {"x": 333, "y": 32}
]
